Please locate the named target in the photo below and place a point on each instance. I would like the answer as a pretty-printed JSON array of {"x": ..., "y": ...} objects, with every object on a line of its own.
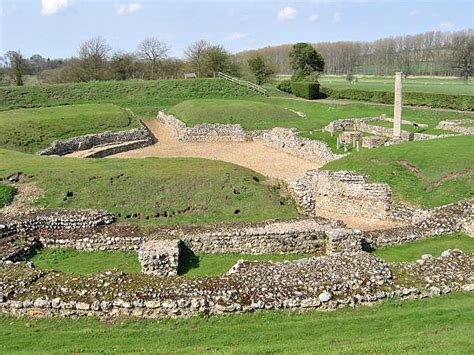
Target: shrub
[
  {"x": 285, "y": 85},
  {"x": 307, "y": 90},
  {"x": 456, "y": 102},
  {"x": 6, "y": 195}
]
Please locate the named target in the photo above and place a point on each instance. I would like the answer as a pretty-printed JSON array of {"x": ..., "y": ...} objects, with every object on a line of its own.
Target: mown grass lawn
[
  {"x": 425, "y": 173},
  {"x": 257, "y": 113},
  {"x": 30, "y": 130},
  {"x": 436, "y": 325},
  {"x": 427, "y": 85},
  {"x": 153, "y": 190},
  {"x": 72, "y": 261},
  {"x": 434, "y": 246}
]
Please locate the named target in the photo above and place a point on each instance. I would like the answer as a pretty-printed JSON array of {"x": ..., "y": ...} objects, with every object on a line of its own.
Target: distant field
[
  {"x": 449, "y": 86},
  {"x": 429, "y": 325},
  {"x": 425, "y": 173},
  {"x": 153, "y": 190},
  {"x": 30, "y": 130}
]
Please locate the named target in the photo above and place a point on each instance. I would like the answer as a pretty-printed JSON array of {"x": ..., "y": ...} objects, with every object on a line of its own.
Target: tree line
[
  {"x": 430, "y": 53},
  {"x": 96, "y": 60}
]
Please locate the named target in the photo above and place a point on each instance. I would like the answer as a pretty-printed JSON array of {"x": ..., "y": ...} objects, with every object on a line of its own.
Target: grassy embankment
[
  {"x": 153, "y": 190},
  {"x": 440, "y": 324},
  {"x": 426, "y": 173},
  {"x": 30, "y": 130}
]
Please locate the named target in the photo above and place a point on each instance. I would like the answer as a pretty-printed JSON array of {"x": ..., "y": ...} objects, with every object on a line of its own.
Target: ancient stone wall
[
  {"x": 457, "y": 126},
  {"x": 288, "y": 141},
  {"x": 203, "y": 132},
  {"x": 322, "y": 283},
  {"x": 342, "y": 192},
  {"x": 160, "y": 257},
  {"x": 425, "y": 223},
  {"x": 67, "y": 146},
  {"x": 53, "y": 219}
]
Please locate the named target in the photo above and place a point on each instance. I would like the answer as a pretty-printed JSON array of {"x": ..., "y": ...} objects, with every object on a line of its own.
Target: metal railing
[{"x": 246, "y": 83}]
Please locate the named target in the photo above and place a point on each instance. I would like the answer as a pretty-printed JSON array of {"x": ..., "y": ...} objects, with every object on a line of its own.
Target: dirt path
[{"x": 253, "y": 155}]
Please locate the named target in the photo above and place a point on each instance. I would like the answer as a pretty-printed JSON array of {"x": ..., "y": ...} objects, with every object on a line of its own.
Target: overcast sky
[{"x": 55, "y": 28}]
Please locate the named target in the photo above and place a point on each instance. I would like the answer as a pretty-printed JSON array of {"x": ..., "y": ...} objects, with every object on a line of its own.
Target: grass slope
[
  {"x": 73, "y": 261},
  {"x": 253, "y": 115},
  {"x": 434, "y": 246},
  {"x": 215, "y": 111},
  {"x": 425, "y": 173},
  {"x": 430, "y": 325},
  {"x": 30, "y": 130},
  {"x": 145, "y": 98},
  {"x": 167, "y": 191}
]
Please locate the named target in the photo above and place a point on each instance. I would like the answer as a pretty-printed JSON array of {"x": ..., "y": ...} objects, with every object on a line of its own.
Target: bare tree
[
  {"x": 196, "y": 54},
  {"x": 93, "y": 56},
  {"x": 463, "y": 54},
  {"x": 17, "y": 66},
  {"x": 153, "y": 51}
]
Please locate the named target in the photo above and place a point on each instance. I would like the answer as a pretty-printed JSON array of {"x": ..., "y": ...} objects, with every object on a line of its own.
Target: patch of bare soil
[
  {"x": 449, "y": 177},
  {"x": 254, "y": 155},
  {"x": 410, "y": 166}
]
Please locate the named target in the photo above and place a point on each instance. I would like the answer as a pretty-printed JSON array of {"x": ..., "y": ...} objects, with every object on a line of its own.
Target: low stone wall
[
  {"x": 342, "y": 192},
  {"x": 203, "y": 132},
  {"x": 457, "y": 126},
  {"x": 53, "y": 219},
  {"x": 288, "y": 141},
  {"x": 118, "y": 148},
  {"x": 67, "y": 146},
  {"x": 322, "y": 283},
  {"x": 451, "y": 218},
  {"x": 160, "y": 257}
]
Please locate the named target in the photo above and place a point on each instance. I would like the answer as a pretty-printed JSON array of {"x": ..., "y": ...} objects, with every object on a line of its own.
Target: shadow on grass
[{"x": 187, "y": 261}]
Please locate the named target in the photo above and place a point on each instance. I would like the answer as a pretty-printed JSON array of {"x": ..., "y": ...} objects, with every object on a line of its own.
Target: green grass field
[
  {"x": 153, "y": 190},
  {"x": 72, "y": 261},
  {"x": 439, "y": 85},
  {"x": 434, "y": 325},
  {"x": 253, "y": 115},
  {"x": 425, "y": 173},
  {"x": 30, "y": 130},
  {"x": 434, "y": 246}
]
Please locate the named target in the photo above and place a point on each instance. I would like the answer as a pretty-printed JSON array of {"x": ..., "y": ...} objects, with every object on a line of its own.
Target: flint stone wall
[
  {"x": 50, "y": 220},
  {"x": 288, "y": 141},
  {"x": 67, "y": 146},
  {"x": 315, "y": 283},
  {"x": 342, "y": 192},
  {"x": 457, "y": 126},
  {"x": 160, "y": 257},
  {"x": 450, "y": 218},
  {"x": 203, "y": 132}
]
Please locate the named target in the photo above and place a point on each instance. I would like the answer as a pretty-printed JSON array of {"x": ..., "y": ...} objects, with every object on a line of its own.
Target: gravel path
[{"x": 256, "y": 156}]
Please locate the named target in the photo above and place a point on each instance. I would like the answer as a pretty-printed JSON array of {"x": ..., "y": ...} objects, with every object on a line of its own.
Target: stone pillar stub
[{"x": 397, "y": 106}]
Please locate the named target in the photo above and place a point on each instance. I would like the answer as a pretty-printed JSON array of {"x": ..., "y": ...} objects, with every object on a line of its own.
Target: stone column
[{"x": 397, "y": 106}]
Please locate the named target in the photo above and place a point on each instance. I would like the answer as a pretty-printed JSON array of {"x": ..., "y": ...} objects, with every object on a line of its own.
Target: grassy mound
[
  {"x": 193, "y": 112},
  {"x": 30, "y": 130},
  {"x": 434, "y": 246},
  {"x": 143, "y": 97},
  {"x": 153, "y": 190},
  {"x": 426, "y": 325},
  {"x": 6, "y": 195},
  {"x": 426, "y": 173}
]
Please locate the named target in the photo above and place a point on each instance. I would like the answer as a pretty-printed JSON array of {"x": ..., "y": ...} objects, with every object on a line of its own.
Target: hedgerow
[
  {"x": 307, "y": 90},
  {"x": 456, "y": 102}
]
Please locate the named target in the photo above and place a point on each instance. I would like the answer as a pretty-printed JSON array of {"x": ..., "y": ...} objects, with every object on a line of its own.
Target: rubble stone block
[{"x": 160, "y": 257}]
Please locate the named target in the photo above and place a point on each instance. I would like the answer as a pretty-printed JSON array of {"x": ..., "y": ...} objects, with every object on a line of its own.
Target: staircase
[{"x": 245, "y": 83}]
